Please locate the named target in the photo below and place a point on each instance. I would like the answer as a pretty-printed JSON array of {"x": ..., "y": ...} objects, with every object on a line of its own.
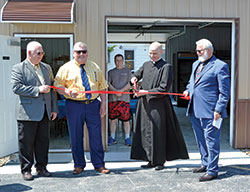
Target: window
[{"x": 129, "y": 59}]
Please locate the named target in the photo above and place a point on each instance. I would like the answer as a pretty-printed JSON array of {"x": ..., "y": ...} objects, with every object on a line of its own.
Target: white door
[{"x": 10, "y": 54}]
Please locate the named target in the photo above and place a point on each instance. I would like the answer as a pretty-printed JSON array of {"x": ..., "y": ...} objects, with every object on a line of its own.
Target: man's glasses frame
[
  {"x": 200, "y": 50},
  {"x": 40, "y": 53},
  {"x": 81, "y": 51}
]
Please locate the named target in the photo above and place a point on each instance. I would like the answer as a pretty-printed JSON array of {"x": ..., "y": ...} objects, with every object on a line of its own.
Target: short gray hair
[
  {"x": 206, "y": 44},
  {"x": 31, "y": 46},
  {"x": 79, "y": 44}
]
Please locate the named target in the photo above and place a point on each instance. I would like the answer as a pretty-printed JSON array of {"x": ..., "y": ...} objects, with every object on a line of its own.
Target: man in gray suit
[{"x": 36, "y": 105}]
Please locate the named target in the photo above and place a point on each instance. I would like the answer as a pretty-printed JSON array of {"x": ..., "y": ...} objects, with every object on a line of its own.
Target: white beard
[{"x": 204, "y": 57}]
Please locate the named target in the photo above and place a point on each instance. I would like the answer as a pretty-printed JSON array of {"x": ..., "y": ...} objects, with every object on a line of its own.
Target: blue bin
[
  {"x": 133, "y": 104},
  {"x": 61, "y": 107}
]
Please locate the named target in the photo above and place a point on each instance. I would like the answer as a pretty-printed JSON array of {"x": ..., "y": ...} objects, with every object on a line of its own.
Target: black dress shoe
[
  {"x": 207, "y": 177},
  {"x": 148, "y": 166},
  {"x": 159, "y": 167},
  {"x": 27, "y": 176},
  {"x": 43, "y": 173},
  {"x": 200, "y": 170}
]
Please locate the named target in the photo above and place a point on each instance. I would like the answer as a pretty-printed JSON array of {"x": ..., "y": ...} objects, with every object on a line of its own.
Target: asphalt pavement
[{"x": 127, "y": 176}]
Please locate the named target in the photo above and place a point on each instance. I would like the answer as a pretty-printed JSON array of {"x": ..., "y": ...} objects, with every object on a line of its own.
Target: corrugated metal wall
[
  {"x": 242, "y": 132},
  {"x": 90, "y": 22},
  {"x": 97, "y": 9},
  {"x": 90, "y": 28}
]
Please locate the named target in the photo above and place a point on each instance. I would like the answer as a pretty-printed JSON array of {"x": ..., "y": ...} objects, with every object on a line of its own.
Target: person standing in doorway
[
  {"x": 158, "y": 136},
  {"x": 209, "y": 91},
  {"x": 77, "y": 75},
  {"x": 36, "y": 105},
  {"x": 118, "y": 107}
]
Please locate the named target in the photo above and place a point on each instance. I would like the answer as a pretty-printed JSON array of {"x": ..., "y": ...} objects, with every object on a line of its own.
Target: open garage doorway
[{"x": 178, "y": 37}]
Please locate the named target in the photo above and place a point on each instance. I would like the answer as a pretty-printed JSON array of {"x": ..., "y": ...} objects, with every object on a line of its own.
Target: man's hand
[
  {"x": 70, "y": 93},
  {"x": 216, "y": 116},
  {"x": 185, "y": 93},
  {"x": 133, "y": 80},
  {"x": 103, "y": 109},
  {"x": 53, "y": 115},
  {"x": 44, "y": 89},
  {"x": 141, "y": 93}
]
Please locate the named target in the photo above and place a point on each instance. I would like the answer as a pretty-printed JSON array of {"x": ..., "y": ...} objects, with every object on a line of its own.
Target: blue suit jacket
[{"x": 212, "y": 90}]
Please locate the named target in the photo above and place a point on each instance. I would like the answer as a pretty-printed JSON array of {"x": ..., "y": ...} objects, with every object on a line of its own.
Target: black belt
[{"x": 83, "y": 101}]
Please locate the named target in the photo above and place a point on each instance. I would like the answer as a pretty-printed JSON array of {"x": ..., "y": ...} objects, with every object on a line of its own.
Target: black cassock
[{"x": 157, "y": 136}]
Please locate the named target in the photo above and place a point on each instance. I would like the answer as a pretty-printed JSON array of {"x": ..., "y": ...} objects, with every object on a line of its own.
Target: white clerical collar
[{"x": 156, "y": 61}]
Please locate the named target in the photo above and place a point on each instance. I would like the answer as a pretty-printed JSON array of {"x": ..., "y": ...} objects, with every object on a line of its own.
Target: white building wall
[{"x": 140, "y": 54}]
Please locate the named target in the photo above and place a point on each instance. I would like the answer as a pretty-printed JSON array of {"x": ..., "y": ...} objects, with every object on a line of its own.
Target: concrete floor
[
  {"x": 60, "y": 140},
  {"x": 188, "y": 134}
]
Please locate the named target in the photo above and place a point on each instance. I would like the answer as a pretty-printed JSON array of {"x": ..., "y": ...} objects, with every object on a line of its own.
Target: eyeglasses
[
  {"x": 81, "y": 51},
  {"x": 40, "y": 53},
  {"x": 199, "y": 50}
]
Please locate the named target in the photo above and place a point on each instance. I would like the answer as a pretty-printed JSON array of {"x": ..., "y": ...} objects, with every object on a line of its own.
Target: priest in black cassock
[{"x": 157, "y": 137}]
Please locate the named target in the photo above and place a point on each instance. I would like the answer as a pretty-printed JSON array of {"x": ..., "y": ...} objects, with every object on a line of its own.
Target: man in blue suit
[{"x": 209, "y": 91}]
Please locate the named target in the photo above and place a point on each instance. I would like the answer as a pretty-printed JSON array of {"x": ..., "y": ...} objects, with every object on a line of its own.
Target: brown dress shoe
[
  {"x": 77, "y": 170},
  {"x": 207, "y": 177},
  {"x": 27, "y": 176},
  {"x": 102, "y": 170},
  {"x": 199, "y": 170}
]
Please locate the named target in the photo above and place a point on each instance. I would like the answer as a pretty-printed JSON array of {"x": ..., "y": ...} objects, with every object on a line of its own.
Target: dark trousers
[
  {"x": 77, "y": 114},
  {"x": 208, "y": 140},
  {"x": 33, "y": 140}
]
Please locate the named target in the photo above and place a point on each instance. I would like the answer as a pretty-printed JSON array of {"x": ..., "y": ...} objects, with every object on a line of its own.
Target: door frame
[{"x": 42, "y": 35}]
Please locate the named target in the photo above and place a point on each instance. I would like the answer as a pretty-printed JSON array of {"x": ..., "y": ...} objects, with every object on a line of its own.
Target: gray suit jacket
[{"x": 31, "y": 104}]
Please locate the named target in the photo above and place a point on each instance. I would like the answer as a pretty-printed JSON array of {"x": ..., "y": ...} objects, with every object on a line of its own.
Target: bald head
[
  {"x": 155, "y": 45},
  {"x": 155, "y": 51}
]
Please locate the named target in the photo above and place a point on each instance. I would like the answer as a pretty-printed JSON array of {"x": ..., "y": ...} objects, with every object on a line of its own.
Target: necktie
[
  {"x": 198, "y": 72},
  {"x": 85, "y": 82}
]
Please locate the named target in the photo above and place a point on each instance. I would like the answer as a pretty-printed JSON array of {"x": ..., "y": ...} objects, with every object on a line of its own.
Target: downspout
[
  {"x": 173, "y": 37},
  {"x": 170, "y": 58}
]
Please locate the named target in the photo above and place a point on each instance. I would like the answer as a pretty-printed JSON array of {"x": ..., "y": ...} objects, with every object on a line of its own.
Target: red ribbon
[{"x": 182, "y": 96}]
